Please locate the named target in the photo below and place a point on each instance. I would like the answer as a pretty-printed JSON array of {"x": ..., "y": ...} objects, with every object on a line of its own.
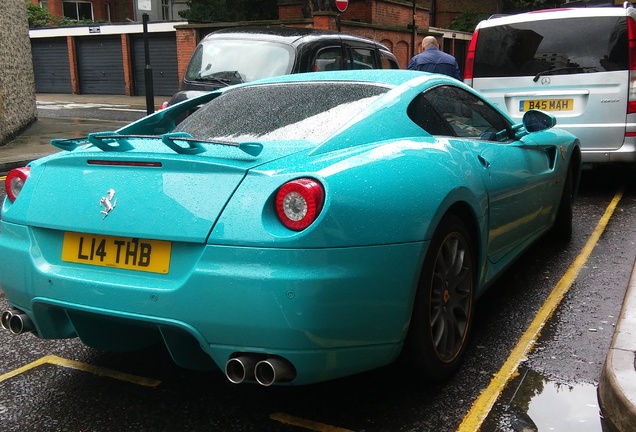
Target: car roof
[
  {"x": 289, "y": 35},
  {"x": 561, "y": 13}
]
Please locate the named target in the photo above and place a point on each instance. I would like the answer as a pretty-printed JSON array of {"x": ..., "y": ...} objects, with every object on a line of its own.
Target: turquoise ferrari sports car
[{"x": 287, "y": 231}]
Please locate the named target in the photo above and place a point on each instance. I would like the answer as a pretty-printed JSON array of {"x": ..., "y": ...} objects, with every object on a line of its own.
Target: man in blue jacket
[{"x": 431, "y": 59}]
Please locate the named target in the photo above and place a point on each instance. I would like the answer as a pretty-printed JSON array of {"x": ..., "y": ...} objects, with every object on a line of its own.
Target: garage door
[
  {"x": 51, "y": 66},
  {"x": 162, "y": 50},
  {"x": 100, "y": 65}
]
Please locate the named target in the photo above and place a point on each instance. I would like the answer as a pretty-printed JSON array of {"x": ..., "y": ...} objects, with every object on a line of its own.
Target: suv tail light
[
  {"x": 299, "y": 202},
  {"x": 631, "y": 34},
  {"x": 15, "y": 181},
  {"x": 470, "y": 60}
]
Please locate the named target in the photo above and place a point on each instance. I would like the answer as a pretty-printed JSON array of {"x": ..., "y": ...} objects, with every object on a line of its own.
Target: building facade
[
  {"x": 105, "y": 57},
  {"x": 114, "y": 10}
]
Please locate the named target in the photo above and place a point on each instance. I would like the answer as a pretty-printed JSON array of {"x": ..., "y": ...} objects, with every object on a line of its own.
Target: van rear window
[{"x": 573, "y": 45}]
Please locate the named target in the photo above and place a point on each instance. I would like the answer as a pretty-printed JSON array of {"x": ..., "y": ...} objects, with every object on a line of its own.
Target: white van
[{"x": 579, "y": 64}]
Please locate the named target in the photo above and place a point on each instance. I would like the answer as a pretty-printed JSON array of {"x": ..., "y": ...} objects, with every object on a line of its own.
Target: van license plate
[
  {"x": 119, "y": 252},
  {"x": 547, "y": 104}
]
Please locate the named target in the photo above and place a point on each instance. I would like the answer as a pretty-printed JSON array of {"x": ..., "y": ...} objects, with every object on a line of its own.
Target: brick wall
[
  {"x": 386, "y": 21},
  {"x": 186, "y": 43},
  {"x": 290, "y": 10},
  {"x": 398, "y": 13},
  {"x": 447, "y": 10},
  {"x": 128, "y": 70},
  {"x": 17, "y": 86}
]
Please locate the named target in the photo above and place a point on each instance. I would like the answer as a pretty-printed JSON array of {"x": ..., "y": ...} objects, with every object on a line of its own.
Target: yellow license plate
[
  {"x": 118, "y": 252},
  {"x": 547, "y": 104}
]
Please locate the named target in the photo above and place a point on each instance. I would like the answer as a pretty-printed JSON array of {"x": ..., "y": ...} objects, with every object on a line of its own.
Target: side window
[
  {"x": 467, "y": 115},
  {"x": 387, "y": 62},
  {"x": 422, "y": 113},
  {"x": 361, "y": 58},
  {"x": 329, "y": 59}
]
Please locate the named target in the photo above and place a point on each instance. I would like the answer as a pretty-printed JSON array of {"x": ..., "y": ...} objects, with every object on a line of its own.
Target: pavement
[
  {"x": 617, "y": 383},
  {"x": 35, "y": 140}
]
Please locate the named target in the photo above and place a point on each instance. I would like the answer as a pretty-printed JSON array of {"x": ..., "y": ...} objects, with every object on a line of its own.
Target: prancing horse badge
[{"x": 108, "y": 203}]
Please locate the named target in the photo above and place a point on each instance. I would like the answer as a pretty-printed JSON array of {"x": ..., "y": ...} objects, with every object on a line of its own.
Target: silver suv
[{"x": 579, "y": 64}]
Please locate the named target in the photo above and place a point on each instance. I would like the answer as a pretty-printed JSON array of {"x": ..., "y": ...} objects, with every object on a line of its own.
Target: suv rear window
[{"x": 573, "y": 45}]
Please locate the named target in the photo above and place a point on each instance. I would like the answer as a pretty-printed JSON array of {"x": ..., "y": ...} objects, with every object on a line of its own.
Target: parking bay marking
[
  {"x": 307, "y": 424},
  {"x": 72, "y": 364},
  {"x": 486, "y": 400},
  {"x": 149, "y": 382}
]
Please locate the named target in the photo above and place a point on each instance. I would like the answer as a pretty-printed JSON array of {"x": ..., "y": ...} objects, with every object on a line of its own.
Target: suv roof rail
[{"x": 594, "y": 3}]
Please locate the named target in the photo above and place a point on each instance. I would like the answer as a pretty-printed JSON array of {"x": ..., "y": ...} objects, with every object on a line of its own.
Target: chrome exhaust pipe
[
  {"x": 6, "y": 317},
  {"x": 273, "y": 370},
  {"x": 241, "y": 368},
  {"x": 20, "y": 323}
]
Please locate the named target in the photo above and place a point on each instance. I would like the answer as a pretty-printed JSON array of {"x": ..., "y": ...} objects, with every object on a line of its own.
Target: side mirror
[{"x": 536, "y": 121}]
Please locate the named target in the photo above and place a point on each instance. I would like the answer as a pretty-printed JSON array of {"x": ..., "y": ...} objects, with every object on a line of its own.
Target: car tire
[
  {"x": 562, "y": 227},
  {"x": 443, "y": 306}
]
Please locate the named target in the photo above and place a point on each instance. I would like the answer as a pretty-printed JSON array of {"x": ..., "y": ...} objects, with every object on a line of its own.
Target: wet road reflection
[{"x": 534, "y": 403}]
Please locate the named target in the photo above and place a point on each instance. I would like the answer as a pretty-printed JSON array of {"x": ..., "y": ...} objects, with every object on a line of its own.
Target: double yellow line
[{"x": 483, "y": 404}]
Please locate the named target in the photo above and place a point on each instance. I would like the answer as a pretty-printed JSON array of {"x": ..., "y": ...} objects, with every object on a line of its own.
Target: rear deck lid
[{"x": 154, "y": 196}]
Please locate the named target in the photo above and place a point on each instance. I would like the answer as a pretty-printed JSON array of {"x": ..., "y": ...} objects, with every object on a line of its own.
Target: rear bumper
[
  {"x": 626, "y": 153},
  {"x": 331, "y": 312}
]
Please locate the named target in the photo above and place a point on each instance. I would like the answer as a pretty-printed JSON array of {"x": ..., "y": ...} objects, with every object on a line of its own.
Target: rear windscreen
[
  {"x": 308, "y": 111},
  {"x": 564, "y": 46}
]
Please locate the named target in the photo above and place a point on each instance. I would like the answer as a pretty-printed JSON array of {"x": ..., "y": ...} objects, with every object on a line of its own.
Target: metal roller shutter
[
  {"x": 100, "y": 65},
  {"x": 162, "y": 49},
  {"x": 51, "y": 66}
]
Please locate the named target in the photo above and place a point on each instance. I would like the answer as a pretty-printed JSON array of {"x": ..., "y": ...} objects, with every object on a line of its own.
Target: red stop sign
[{"x": 342, "y": 5}]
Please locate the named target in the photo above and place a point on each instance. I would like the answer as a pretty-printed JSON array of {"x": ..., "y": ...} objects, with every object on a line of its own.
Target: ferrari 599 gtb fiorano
[{"x": 292, "y": 230}]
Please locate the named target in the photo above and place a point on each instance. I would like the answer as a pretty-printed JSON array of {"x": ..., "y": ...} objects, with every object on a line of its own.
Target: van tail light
[
  {"x": 631, "y": 33},
  {"x": 15, "y": 181},
  {"x": 299, "y": 202},
  {"x": 470, "y": 60}
]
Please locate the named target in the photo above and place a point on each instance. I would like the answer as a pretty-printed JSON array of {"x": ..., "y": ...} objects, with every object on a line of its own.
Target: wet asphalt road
[{"x": 561, "y": 372}]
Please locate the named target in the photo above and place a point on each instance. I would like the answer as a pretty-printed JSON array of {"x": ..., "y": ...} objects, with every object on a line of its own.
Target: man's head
[{"x": 429, "y": 41}]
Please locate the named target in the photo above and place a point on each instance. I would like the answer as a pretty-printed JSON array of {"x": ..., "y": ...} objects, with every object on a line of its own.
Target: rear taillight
[
  {"x": 470, "y": 60},
  {"x": 299, "y": 202},
  {"x": 15, "y": 181},
  {"x": 631, "y": 34}
]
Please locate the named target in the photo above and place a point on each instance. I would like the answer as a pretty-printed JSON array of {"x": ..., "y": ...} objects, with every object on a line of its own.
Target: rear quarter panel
[{"x": 392, "y": 192}]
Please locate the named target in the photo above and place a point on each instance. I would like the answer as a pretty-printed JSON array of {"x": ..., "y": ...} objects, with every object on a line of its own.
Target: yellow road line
[
  {"x": 72, "y": 364},
  {"x": 486, "y": 400},
  {"x": 307, "y": 424},
  {"x": 3, "y": 178}
]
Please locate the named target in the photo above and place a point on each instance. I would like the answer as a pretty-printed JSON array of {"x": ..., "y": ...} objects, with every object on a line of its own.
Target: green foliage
[
  {"x": 67, "y": 22},
  {"x": 467, "y": 21},
  {"x": 38, "y": 17},
  {"x": 230, "y": 10},
  {"x": 511, "y": 6}
]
